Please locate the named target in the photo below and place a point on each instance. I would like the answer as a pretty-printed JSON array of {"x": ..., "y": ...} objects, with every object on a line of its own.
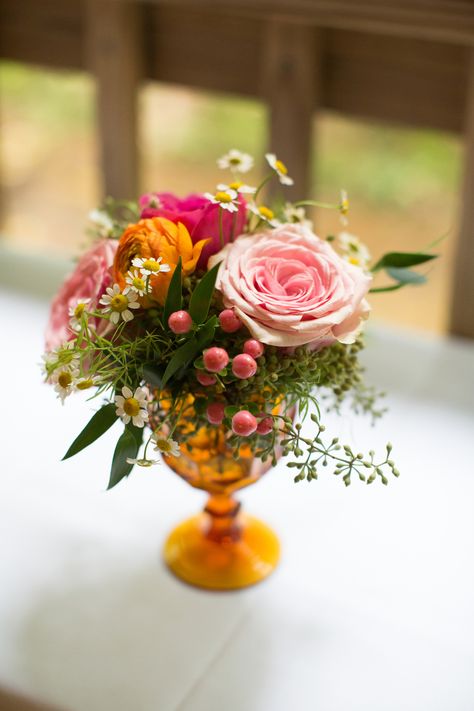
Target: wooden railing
[{"x": 410, "y": 62}]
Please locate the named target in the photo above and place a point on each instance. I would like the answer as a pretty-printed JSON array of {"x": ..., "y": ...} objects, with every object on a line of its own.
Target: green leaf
[
  {"x": 152, "y": 376},
  {"x": 405, "y": 276},
  {"x": 402, "y": 259},
  {"x": 180, "y": 357},
  {"x": 127, "y": 446},
  {"x": 205, "y": 334},
  {"x": 202, "y": 295},
  {"x": 100, "y": 422},
  {"x": 174, "y": 296},
  {"x": 381, "y": 289},
  {"x": 230, "y": 410}
]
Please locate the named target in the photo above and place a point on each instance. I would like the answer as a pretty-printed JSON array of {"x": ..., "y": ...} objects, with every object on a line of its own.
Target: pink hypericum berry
[
  {"x": 265, "y": 426},
  {"x": 215, "y": 359},
  {"x": 180, "y": 322},
  {"x": 244, "y": 423},
  {"x": 215, "y": 412},
  {"x": 244, "y": 366},
  {"x": 205, "y": 378},
  {"x": 254, "y": 348},
  {"x": 229, "y": 321}
]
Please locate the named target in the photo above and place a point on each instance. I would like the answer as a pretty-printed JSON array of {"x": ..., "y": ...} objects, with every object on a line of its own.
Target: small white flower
[
  {"x": 344, "y": 207},
  {"x": 166, "y": 445},
  {"x": 143, "y": 462},
  {"x": 136, "y": 283},
  {"x": 150, "y": 266},
  {"x": 237, "y": 161},
  {"x": 295, "y": 214},
  {"x": 102, "y": 223},
  {"x": 133, "y": 406},
  {"x": 238, "y": 187},
  {"x": 86, "y": 382},
  {"x": 264, "y": 213},
  {"x": 353, "y": 250},
  {"x": 280, "y": 169},
  {"x": 63, "y": 379},
  {"x": 64, "y": 355},
  {"x": 118, "y": 304},
  {"x": 226, "y": 199},
  {"x": 78, "y": 312}
]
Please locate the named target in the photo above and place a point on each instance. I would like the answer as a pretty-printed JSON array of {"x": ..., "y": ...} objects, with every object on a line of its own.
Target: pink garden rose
[
  {"x": 89, "y": 280},
  {"x": 199, "y": 216},
  {"x": 290, "y": 288}
]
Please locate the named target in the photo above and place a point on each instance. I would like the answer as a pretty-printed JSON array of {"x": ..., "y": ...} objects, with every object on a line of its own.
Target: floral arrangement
[{"x": 215, "y": 310}]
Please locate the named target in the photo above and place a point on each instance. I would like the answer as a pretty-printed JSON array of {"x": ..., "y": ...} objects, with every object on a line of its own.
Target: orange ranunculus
[{"x": 157, "y": 237}]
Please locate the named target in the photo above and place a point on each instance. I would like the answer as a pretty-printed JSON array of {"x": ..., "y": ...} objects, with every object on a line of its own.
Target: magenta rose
[
  {"x": 199, "y": 216},
  {"x": 290, "y": 288},
  {"x": 88, "y": 281}
]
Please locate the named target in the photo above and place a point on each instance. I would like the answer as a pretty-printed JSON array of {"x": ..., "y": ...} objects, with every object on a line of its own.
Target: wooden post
[
  {"x": 462, "y": 308},
  {"x": 290, "y": 84},
  {"x": 114, "y": 55}
]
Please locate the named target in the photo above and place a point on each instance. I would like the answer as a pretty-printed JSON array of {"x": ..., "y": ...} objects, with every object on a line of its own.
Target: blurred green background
[{"x": 402, "y": 183}]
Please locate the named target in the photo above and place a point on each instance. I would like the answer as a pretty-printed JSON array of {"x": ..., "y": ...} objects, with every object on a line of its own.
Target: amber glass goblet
[{"x": 220, "y": 548}]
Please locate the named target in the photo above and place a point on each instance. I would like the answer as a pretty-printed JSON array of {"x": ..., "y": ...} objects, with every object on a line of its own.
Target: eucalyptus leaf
[
  {"x": 174, "y": 298},
  {"x": 405, "y": 276},
  {"x": 100, "y": 422},
  {"x": 127, "y": 446},
  {"x": 202, "y": 295},
  {"x": 402, "y": 259}
]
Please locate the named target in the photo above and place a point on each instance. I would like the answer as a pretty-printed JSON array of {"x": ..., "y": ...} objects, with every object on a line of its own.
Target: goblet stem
[{"x": 223, "y": 523}]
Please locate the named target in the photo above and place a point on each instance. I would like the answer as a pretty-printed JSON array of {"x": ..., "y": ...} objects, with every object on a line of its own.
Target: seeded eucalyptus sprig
[{"x": 311, "y": 454}]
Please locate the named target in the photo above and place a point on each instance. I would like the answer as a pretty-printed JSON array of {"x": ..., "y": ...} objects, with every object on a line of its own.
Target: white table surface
[{"x": 371, "y": 607}]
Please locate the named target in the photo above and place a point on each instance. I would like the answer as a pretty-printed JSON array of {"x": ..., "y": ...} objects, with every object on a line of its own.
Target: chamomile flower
[
  {"x": 226, "y": 199},
  {"x": 136, "y": 282},
  {"x": 344, "y": 207},
  {"x": 264, "y": 213},
  {"x": 86, "y": 382},
  {"x": 63, "y": 379},
  {"x": 118, "y": 304},
  {"x": 238, "y": 187},
  {"x": 132, "y": 406},
  {"x": 64, "y": 355},
  {"x": 353, "y": 250},
  {"x": 236, "y": 161},
  {"x": 78, "y": 312},
  {"x": 296, "y": 215},
  {"x": 280, "y": 169},
  {"x": 166, "y": 445},
  {"x": 143, "y": 462},
  {"x": 102, "y": 224},
  {"x": 150, "y": 266}
]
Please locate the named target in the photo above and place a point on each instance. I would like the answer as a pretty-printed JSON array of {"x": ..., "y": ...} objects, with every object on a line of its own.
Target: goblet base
[{"x": 227, "y": 563}]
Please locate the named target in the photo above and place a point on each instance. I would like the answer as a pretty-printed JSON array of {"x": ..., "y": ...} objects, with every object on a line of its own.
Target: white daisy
[
  {"x": 78, "y": 312},
  {"x": 353, "y": 250},
  {"x": 143, "y": 462},
  {"x": 280, "y": 169},
  {"x": 86, "y": 382},
  {"x": 237, "y": 161},
  {"x": 63, "y": 379},
  {"x": 295, "y": 214},
  {"x": 132, "y": 406},
  {"x": 264, "y": 213},
  {"x": 226, "y": 199},
  {"x": 118, "y": 304},
  {"x": 64, "y": 355},
  {"x": 136, "y": 283},
  {"x": 150, "y": 266},
  {"x": 167, "y": 446},
  {"x": 344, "y": 207},
  {"x": 102, "y": 223},
  {"x": 238, "y": 187}
]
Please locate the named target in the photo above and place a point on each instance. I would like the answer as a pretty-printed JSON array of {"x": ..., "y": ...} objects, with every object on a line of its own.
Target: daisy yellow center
[
  {"x": 65, "y": 379},
  {"x": 236, "y": 185},
  {"x": 281, "y": 167},
  {"x": 266, "y": 212},
  {"x": 144, "y": 463},
  {"x": 221, "y": 196},
  {"x": 235, "y": 161},
  {"x": 354, "y": 260},
  {"x": 119, "y": 303},
  {"x": 131, "y": 406},
  {"x": 163, "y": 445},
  {"x": 85, "y": 384},
  {"x": 152, "y": 265},
  {"x": 79, "y": 310},
  {"x": 138, "y": 283},
  {"x": 344, "y": 206}
]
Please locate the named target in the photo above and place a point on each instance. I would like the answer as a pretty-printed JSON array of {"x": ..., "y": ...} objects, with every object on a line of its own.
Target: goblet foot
[{"x": 226, "y": 563}]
